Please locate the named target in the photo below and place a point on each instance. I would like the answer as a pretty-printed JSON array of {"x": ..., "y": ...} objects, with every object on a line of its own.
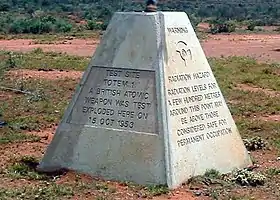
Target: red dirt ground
[
  {"x": 249, "y": 88},
  {"x": 258, "y": 46},
  {"x": 49, "y": 75},
  {"x": 263, "y": 47},
  {"x": 79, "y": 47},
  {"x": 275, "y": 118}
]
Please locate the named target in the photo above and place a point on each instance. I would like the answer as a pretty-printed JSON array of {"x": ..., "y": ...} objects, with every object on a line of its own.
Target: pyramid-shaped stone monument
[{"x": 148, "y": 108}]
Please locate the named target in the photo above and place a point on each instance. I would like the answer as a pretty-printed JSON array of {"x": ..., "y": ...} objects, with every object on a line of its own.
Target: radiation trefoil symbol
[{"x": 184, "y": 51}]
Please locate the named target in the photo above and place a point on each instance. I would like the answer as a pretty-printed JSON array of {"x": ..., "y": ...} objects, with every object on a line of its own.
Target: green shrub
[
  {"x": 251, "y": 26},
  {"x": 39, "y": 25},
  {"x": 246, "y": 177},
  {"x": 92, "y": 25},
  {"x": 254, "y": 143},
  {"x": 222, "y": 27}
]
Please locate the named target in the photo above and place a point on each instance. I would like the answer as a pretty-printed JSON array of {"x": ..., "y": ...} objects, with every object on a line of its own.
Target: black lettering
[
  {"x": 184, "y": 120},
  {"x": 211, "y": 115},
  {"x": 122, "y": 103},
  {"x": 222, "y": 122},
  {"x": 196, "y": 118},
  {"x": 111, "y": 72},
  {"x": 191, "y": 129},
  {"x": 190, "y": 140},
  {"x": 212, "y": 95},
  {"x": 199, "y": 88},
  {"x": 177, "y": 91},
  {"x": 108, "y": 92},
  {"x": 218, "y": 133},
  {"x": 136, "y": 94},
  {"x": 141, "y": 105},
  {"x": 218, "y": 104},
  {"x": 98, "y": 111},
  {"x": 191, "y": 99},
  {"x": 201, "y": 75},
  {"x": 212, "y": 85},
  {"x": 126, "y": 114},
  {"x": 177, "y": 102},
  {"x": 207, "y": 106},
  {"x": 125, "y": 124},
  {"x": 93, "y": 120},
  {"x": 132, "y": 74},
  {"x": 115, "y": 83},
  {"x": 213, "y": 124},
  {"x": 97, "y": 101},
  {"x": 178, "y": 30},
  {"x": 178, "y": 111},
  {"x": 142, "y": 115},
  {"x": 194, "y": 108},
  {"x": 179, "y": 78}
]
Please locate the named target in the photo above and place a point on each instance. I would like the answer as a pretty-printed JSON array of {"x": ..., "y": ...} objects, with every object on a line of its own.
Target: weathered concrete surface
[
  {"x": 112, "y": 127},
  {"x": 201, "y": 132},
  {"x": 148, "y": 108}
]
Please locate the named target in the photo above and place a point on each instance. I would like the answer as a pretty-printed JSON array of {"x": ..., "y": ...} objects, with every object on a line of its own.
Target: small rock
[
  {"x": 278, "y": 158},
  {"x": 142, "y": 195},
  {"x": 197, "y": 193},
  {"x": 194, "y": 188},
  {"x": 206, "y": 192},
  {"x": 2, "y": 124},
  {"x": 45, "y": 137}
]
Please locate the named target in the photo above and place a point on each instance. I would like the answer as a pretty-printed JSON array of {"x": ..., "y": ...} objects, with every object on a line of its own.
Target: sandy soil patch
[
  {"x": 275, "y": 118},
  {"x": 249, "y": 88},
  {"x": 9, "y": 152},
  {"x": 79, "y": 47},
  {"x": 262, "y": 47},
  {"x": 4, "y": 95},
  {"x": 46, "y": 135},
  {"x": 49, "y": 75},
  {"x": 266, "y": 159},
  {"x": 177, "y": 195}
]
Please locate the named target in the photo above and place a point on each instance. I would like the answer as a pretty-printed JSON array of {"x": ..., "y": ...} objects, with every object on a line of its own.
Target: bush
[
  {"x": 39, "y": 25},
  {"x": 63, "y": 26},
  {"x": 194, "y": 20},
  {"x": 246, "y": 177},
  {"x": 4, "y": 7},
  {"x": 251, "y": 26},
  {"x": 222, "y": 28},
  {"x": 92, "y": 25},
  {"x": 254, "y": 143},
  {"x": 277, "y": 29}
]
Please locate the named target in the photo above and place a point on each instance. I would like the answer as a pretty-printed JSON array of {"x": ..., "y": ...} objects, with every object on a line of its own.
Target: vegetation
[
  {"x": 44, "y": 105},
  {"x": 53, "y": 191},
  {"x": 221, "y": 26},
  {"x": 25, "y": 167},
  {"x": 247, "y": 177},
  {"x": 37, "y": 59},
  {"x": 254, "y": 143},
  {"x": 53, "y": 16}
]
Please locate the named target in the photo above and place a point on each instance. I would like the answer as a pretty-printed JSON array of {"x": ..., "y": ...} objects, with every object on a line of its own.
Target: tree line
[{"x": 46, "y": 16}]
